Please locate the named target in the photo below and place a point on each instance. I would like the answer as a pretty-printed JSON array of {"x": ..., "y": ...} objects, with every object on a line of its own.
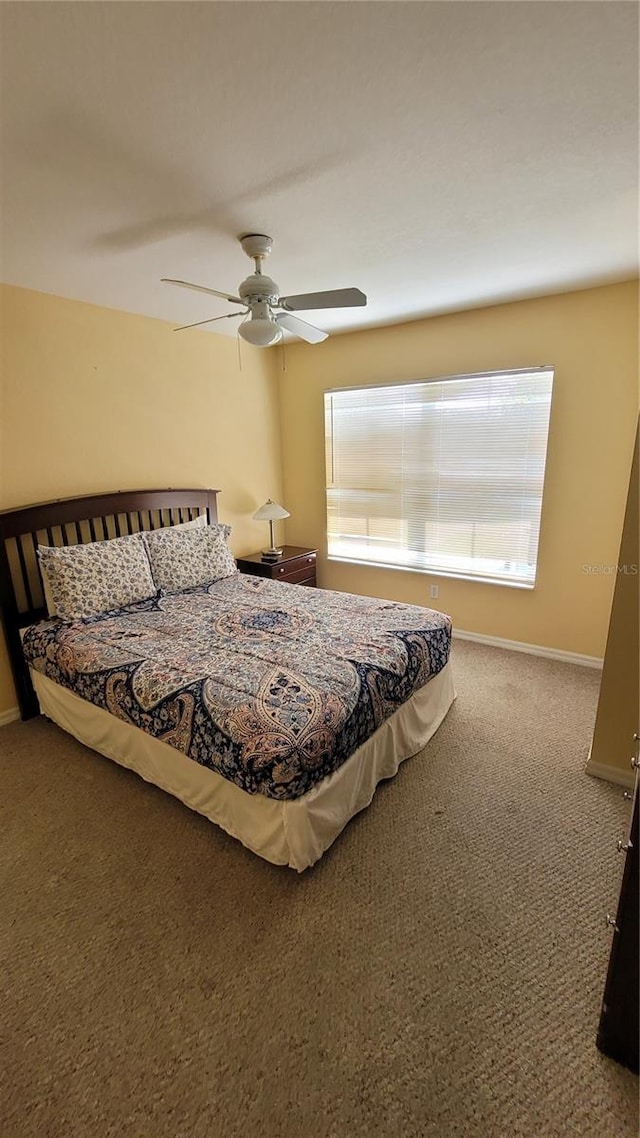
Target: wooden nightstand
[{"x": 297, "y": 565}]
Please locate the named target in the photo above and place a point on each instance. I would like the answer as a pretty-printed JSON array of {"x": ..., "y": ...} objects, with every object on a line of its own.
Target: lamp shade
[{"x": 271, "y": 512}]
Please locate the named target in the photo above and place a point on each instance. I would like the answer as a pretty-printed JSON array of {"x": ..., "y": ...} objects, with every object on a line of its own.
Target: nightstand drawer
[
  {"x": 303, "y": 576},
  {"x": 295, "y": 565}
]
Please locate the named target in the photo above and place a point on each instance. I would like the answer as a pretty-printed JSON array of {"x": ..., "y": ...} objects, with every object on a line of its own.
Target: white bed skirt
[{"x": 294, "y": 832}]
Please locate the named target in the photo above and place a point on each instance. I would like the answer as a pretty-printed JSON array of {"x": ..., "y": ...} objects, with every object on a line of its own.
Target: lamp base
[{"x": 271, "y": 554}]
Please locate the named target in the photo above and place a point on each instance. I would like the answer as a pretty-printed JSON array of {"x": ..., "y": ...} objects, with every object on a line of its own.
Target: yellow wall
[
  {"x": 591, "y": 337},
  {"x": 94, "y": 400}
]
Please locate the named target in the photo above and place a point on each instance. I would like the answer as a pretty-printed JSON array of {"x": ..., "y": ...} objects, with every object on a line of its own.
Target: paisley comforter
[{"x": 272, "y": 685}]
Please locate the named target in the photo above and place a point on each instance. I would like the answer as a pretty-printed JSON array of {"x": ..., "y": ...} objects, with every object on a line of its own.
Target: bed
[{"x": 271, "y": 709}]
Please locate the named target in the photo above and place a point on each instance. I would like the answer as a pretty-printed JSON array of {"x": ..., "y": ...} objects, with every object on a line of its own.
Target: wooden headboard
[{"x": 74, "y": 521}]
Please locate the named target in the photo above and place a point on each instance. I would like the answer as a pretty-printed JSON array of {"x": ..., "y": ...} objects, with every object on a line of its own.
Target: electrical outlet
[{"x": 435, "y": 591}]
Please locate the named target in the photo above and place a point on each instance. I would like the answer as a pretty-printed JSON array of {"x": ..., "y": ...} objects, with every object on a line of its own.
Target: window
[{"x": 444, "y": 475}]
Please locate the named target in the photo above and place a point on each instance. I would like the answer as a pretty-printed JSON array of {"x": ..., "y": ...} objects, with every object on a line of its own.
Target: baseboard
[
  {"x": 9, "y": 716},
  {"x": 611, "y": 774},
  {"x": 530, "y": 649}
]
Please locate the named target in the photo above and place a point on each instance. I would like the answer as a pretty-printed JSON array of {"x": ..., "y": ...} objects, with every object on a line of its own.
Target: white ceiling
[{"x": 436, "y": 155}]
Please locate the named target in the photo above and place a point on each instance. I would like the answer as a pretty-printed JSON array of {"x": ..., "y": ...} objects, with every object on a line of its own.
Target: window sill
[{"x": 526, "y": 585}]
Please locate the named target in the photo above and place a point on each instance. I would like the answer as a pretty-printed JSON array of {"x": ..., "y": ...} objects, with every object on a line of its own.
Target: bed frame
[{"x": 74, "y": 521}]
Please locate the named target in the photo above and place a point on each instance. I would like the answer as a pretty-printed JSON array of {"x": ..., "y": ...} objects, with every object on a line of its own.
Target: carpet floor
[{"x": 437, "y": 974}]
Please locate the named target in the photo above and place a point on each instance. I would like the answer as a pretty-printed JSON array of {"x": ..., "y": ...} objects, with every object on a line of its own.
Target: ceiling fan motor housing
[{"x": 258, "y": 288}]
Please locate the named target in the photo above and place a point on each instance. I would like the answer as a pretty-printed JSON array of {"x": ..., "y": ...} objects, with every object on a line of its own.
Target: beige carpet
[{"x": 439, "y": 973}]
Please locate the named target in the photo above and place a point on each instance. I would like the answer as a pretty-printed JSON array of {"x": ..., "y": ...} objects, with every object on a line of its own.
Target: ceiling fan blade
[
  {"x": 301, "y": 328},
  {"x": 201, "y": 288},
  {"x": 334, "y": 298},
  {"x": 227, "y": 316}
]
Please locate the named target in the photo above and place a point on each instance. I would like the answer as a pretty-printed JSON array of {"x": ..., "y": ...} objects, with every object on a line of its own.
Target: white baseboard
[
  {"x": 611, "y": 774},
  {"x": 530, "y": 649},
  {"x": 9, "y": 716}
]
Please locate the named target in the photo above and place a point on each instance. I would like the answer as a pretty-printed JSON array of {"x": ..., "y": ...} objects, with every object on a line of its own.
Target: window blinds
[{"x": 444, "y": 475}]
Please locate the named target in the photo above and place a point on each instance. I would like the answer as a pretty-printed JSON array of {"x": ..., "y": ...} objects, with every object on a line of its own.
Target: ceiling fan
[{"x": 269, "y": 312}]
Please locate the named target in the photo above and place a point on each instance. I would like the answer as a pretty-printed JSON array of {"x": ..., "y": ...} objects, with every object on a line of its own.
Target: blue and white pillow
[
  {"x": 86, "y": 580},
  {"x": 184, "y": 558}
]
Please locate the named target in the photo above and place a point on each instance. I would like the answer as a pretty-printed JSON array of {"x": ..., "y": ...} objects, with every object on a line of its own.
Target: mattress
[{"x": 269, "y": 685}]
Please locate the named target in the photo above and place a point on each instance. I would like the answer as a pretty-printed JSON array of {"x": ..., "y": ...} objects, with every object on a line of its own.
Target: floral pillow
[
  {"x": 86, "y": 580},
  {"x": 181, "y": 559}
]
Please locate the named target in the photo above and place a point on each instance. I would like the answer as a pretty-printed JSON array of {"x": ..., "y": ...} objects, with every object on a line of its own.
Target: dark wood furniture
[
  {"x": 74, "y": 521},
  {"x": 618, "y": 1029},
  {"x": 297, "y": 565}
]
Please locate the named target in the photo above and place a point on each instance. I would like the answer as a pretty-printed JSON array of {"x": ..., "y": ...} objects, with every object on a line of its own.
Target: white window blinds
[{"x": 443, "y": 475}]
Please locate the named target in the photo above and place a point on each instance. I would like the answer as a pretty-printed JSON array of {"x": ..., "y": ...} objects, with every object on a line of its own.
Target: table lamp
[{"x": 271, "y": 512}]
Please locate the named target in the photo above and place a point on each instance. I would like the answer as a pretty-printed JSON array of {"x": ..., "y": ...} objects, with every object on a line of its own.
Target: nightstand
[{"x": 297, "y": 565}]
